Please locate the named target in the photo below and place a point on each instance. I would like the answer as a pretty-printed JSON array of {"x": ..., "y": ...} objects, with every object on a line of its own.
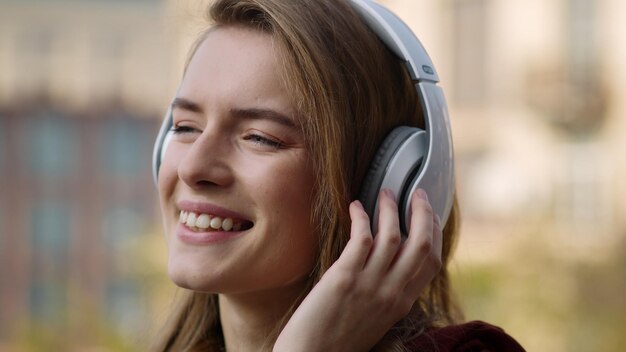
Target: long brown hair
[{"x": 349, "y": 91}]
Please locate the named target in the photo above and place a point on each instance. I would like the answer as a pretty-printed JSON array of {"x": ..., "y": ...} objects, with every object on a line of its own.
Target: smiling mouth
[{"x": 200, "y": 222}]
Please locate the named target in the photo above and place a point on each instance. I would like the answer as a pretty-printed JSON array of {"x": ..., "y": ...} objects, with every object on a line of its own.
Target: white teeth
[
  {"x": 203, "y": 221},
  {"x": 216, "y": 222},
  {"x": 227, "y": 224},
  {"x": 191, "y": 220},
  {"x": 207, "y": 221}
]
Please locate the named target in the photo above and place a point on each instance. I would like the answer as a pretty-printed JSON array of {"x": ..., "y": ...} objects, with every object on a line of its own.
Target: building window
[
  {"x": 49, "y": 270},
  {"x": 3, "y": 233},
  {"x": 581, "y": 205},
  {"x": 3, "y": 147},
  {"x": 48, "y": 301},
  {"x": 126, "y": 146},
  {"x": 123, "y": 306},
  {"x": 51, "y": 140},
  {"x": 35, "y": 50},
  {"x": 51, "y": 227},
  {"x": 581, "y": 40},
  {"x": 120, "y": 227},
  {"x": 470, "y": 28}
]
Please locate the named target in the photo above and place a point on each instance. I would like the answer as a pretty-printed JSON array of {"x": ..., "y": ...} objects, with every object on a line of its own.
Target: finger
[
  {"x": 359, "y": 246},
  {"x": 420, "y": 244},
  {"x": 438, "y": 236},
  {"x": 419, "y": 283},
  {"x": 388, "y": 239},
  {"x": 431, "y": 264}
]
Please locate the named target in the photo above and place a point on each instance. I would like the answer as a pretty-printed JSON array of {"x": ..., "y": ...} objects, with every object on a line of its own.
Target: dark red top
[{"x": 475, "y": 336}]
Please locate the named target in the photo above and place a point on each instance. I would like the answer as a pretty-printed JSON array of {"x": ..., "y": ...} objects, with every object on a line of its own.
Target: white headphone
[{"x": 409, "y": 158}]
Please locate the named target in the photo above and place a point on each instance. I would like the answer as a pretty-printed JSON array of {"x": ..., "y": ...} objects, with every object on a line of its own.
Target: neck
[{"x": 250, "y": 321}]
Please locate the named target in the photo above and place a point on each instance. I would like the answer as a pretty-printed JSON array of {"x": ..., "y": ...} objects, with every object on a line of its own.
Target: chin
[
  {"x": 194, "y": 283},
  {"x": 178, "y": 278},
  {"x": 184, "y": 276},
  {"x": 197, "y": 277}
]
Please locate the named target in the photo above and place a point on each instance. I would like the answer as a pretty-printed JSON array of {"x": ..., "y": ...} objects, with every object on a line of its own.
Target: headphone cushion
[{"x": 378, "y": 167}]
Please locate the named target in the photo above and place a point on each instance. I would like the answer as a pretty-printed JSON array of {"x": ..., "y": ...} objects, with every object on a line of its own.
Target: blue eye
[{"x": 263, "y": 141}]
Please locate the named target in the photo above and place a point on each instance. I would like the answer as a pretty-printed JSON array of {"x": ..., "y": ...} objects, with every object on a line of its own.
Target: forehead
[
  {"x": 237, "y": 41},
  {"x": 236, "y": 62}
]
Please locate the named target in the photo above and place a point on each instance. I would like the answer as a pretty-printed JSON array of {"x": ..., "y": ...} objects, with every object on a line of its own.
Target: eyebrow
[
  {"x": 184, "y": 104},
  {"x": 264, "y": 114},
  {"x": 251, "y": 113}
]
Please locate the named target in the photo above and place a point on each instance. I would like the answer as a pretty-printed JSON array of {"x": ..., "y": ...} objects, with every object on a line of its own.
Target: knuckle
[
  {"x": 435, "y": 262},
  {"x": 394, "y": 238},
  {"x": 364, "y": 293},
  {"x": 385, "y": 298},
  {"x": 345, "y": 282},
  {"x": 425, "y": 247},
  {"x": 405, "y": 306},
  {"x": 364, "y": 241}
]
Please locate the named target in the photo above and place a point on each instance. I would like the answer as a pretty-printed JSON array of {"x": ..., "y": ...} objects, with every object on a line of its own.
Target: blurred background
[{"x": 536, "y": 92}]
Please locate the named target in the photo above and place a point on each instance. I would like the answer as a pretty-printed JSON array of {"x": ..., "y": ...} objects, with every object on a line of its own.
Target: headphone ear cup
[
  {"x": 370, "y": 188},
  {"x": 160, "y": 145}
]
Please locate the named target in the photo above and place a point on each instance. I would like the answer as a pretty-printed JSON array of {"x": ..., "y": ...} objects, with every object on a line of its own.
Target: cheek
[
  {"x": 291, "y": 243},
  {"x": 287, "y": 192},
  {"x": 168, "y": 172},
  {"x": 168, "y": 177}
]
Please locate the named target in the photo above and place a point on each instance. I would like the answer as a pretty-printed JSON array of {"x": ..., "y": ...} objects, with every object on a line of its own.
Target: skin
[{"x": 238, "y": 147}]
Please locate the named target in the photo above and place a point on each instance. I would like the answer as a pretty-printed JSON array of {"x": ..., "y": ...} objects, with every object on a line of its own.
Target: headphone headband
[
  {"x": 436, "y": 172},
  {"x": 398, "y": 37}
]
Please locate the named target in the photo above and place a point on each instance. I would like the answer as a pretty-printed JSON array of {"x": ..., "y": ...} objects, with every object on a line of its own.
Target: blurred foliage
[
  {"x": 547, "y": 299},
  {"x": 82, "y": 327},
  {"x": 86, "y": 325}
]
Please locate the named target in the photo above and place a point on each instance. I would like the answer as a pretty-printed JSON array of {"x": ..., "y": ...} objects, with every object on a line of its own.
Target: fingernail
[
  {"x": 437, "y": 220},
  {"x": 389, "y": 194},
  {"x": 358, "y": 204},
  {"x": 422, "y": 194}
]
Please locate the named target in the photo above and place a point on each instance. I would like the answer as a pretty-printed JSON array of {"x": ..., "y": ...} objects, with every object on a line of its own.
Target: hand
[{"x": 372, "y": 285}]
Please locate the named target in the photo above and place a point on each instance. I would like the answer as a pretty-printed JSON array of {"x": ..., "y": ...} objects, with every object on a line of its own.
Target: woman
[{"x": 281, "y": 108}]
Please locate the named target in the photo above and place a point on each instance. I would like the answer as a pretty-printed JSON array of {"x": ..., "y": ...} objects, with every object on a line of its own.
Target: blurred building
[
  {"x": 82, "y": 88},
  {"x": 534, "y": 89}
]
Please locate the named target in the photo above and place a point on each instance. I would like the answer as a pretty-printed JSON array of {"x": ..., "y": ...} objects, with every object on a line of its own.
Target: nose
[{"x": 206, "y": 162}]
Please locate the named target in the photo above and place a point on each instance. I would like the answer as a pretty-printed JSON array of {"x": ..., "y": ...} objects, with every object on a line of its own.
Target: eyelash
[
  {"x": 255, "y": 138},
  {"x": 182, "y": 129}
]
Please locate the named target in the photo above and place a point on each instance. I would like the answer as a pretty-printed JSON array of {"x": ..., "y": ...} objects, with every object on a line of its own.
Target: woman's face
[{"x": 236, "y": 181}]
